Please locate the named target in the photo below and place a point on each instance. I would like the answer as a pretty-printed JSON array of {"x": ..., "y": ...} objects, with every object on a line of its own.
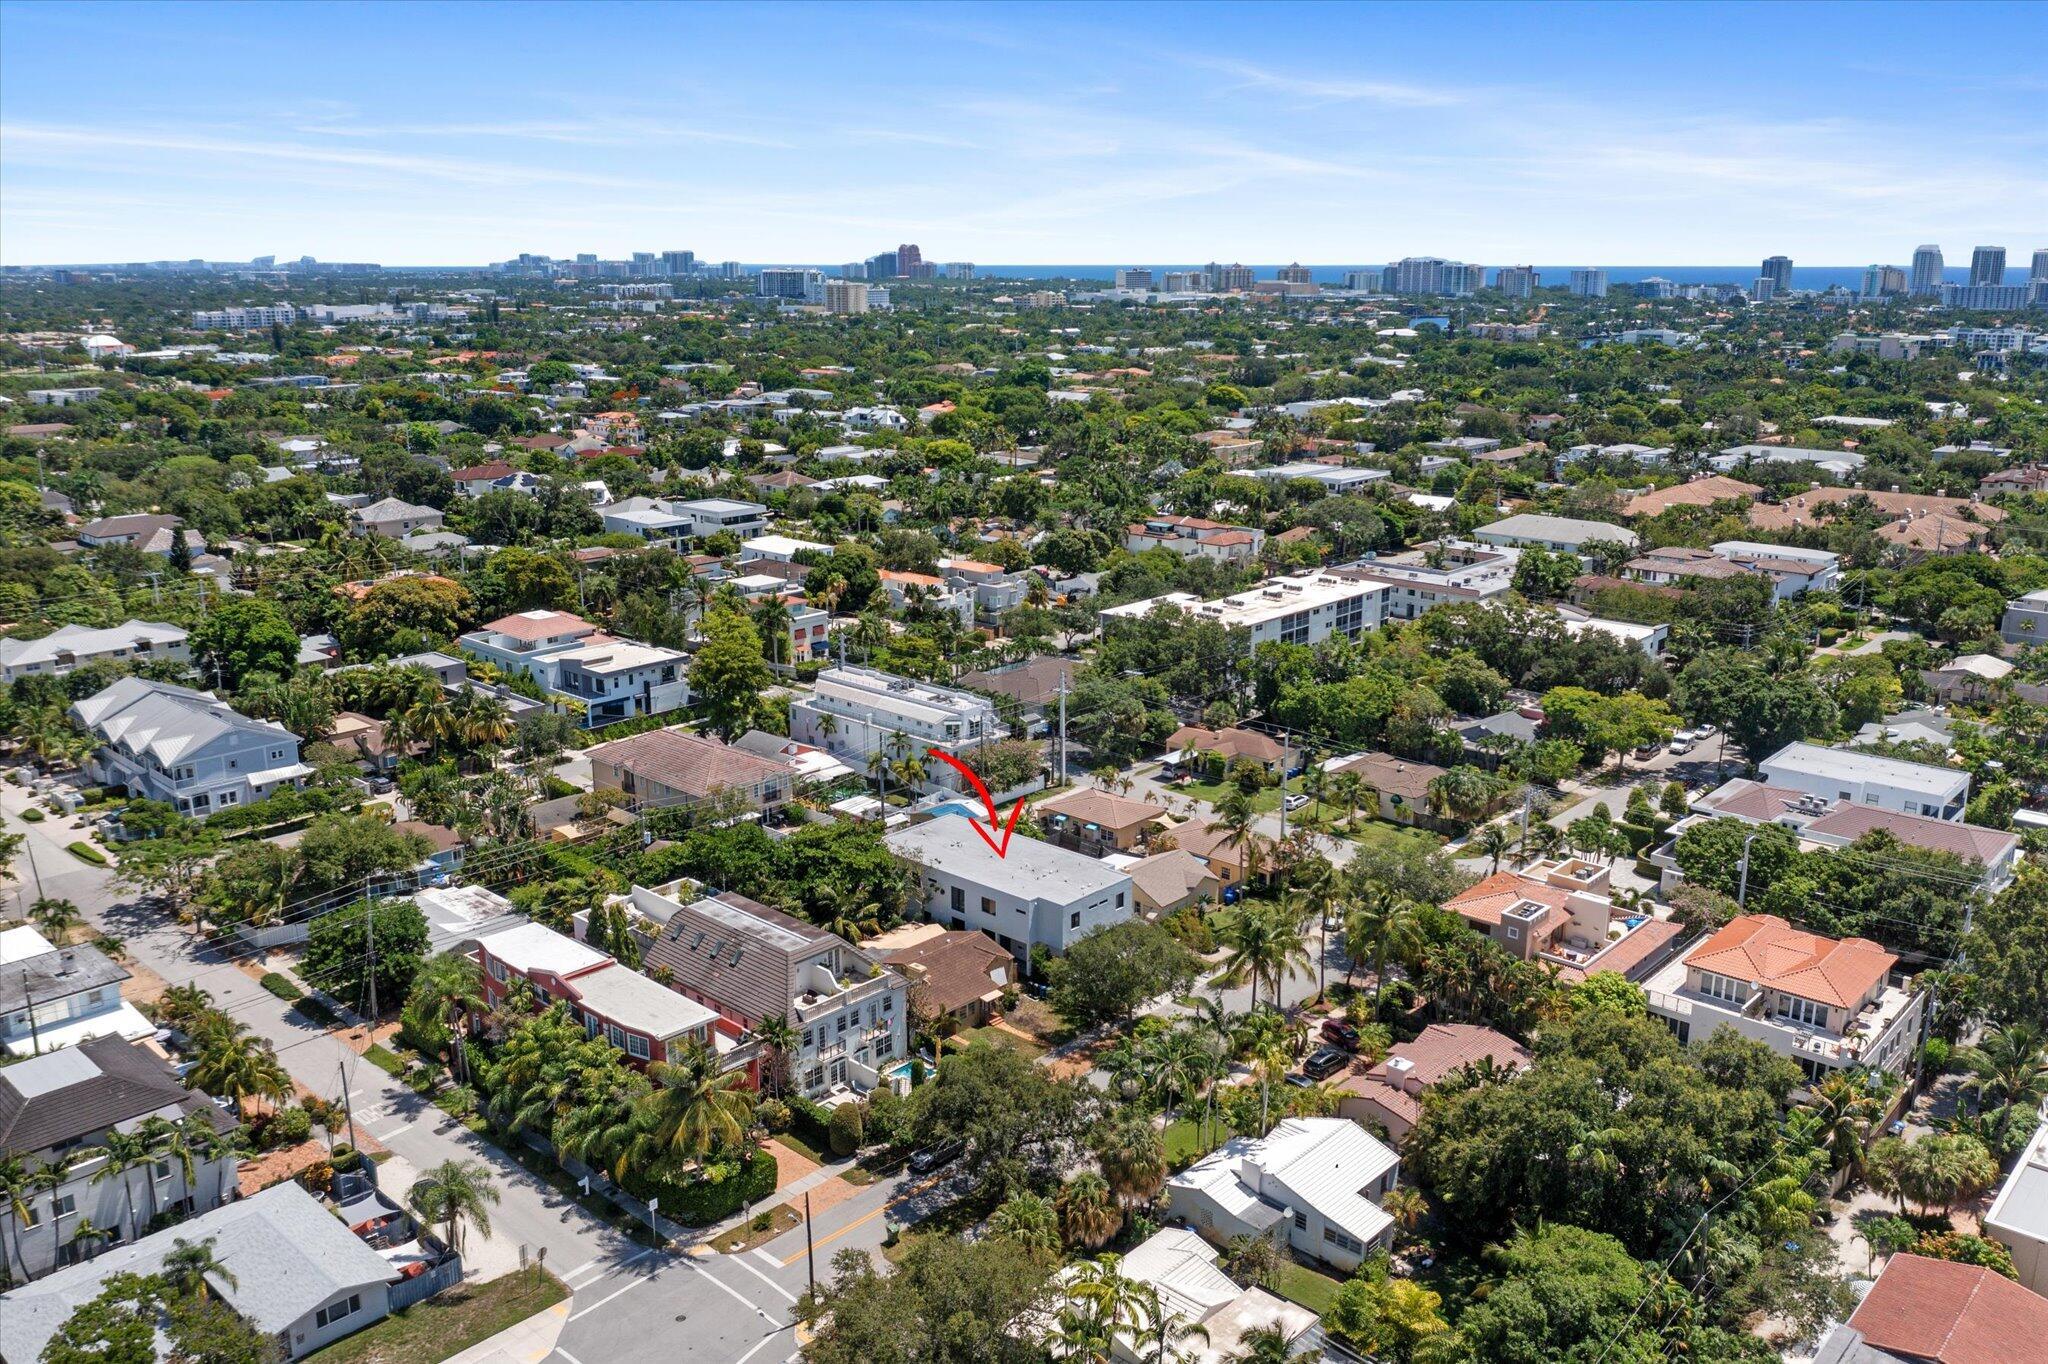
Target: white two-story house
[
  {"x": 615, "y": 679},
  {"x": 53, "y": 997},
  {"x": 186, "y": 747},
  {"x": 861, "y": 714},
  {"x": 1313, "y": 1185},
  {"x": 70, "y": 647}
]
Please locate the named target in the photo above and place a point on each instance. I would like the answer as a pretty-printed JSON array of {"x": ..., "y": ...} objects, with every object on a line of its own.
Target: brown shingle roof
[
  {"x": 1701, "y": 492},
  {"x": 1111, "y": 811},
  {"x": 1440, "y": 1049},
  {"x": 689, "y": 763},
  {"x": 954, "y": 969},
  {"x": 1395, "y": 776},
  {"x": 1947, "y": 1313},
  {"x": 1230, "y": 743}
]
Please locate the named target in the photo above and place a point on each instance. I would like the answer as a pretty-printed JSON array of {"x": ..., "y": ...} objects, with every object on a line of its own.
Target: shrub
[
  {"x": 288, "y": 1127},
  {"x": 888, "y": 1119},
  {"x": 554, "y": 788},
  {"x": 343, "y": 1157},
  {"x": 1189, "y": 929},
  {"x": 86, "y": 852},
  {"x": 725, "y": 1188},
  {"x": 1967, "y": 1249},
  {"x": 32, "y": 815},
  {"x": 774, "y": 1115},
  {"x": 847, "y": 1129},
  {"x": 809, "y": 1120},
  {"x": 281, "y": 986}
]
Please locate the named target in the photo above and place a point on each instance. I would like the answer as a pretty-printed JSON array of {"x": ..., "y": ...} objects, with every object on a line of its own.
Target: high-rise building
[
  {"x": 1432, "y": 275},
  {"x": 731, "y": 269},
  {"x": 1517, "y": 281},
  {"x": 1927, "y": 269},
  {"x": 1778, "y": 270},
  {"x": 1363, "y": 281},
  {"x": 680, "y": 262},
  {"x": 1134, "y": 277},
  {"x": 1230, "y": 279},
  {"x": 846, "y": 296},
  {"x": 2040, "y": 270},
  {"x": 1988, "y": 297},
  {"x": 1296, "y": 273},
  {"x": 882, "y": 265},
  {"x": 795, "y": 284},
  {"x": 854, "y": 269},
  {"x": 909, "y": 261},
  {"x": 1764, "y": 289},
  {"x": 1987, "y": 265},
  {"x": 1589, "y": 284},
  {"x": 960, "y": 269},
  {"x": 1183, "y": 282},
  {"x": 1883, "y": 281}
]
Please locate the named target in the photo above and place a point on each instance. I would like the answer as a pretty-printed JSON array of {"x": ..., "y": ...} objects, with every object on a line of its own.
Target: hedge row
[
  {"x": 281, "y": 986},
  {"x": 287, "y": 804},
  {"x": 86, "y": 852},
  {"x": 702, "y": 1202},
  {"x": 811, "y": 1121}
]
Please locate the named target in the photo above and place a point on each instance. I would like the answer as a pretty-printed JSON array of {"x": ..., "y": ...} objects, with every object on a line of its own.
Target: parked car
[
  {"x": 932, "y": 1157},
  {"x": 1645, "y": 752},
  {"x": 381, "y": 785},
  {"x": 1324, "y": 1062},
  {"x": 1705, "y": 729},
  {"x": 1294, "y": 802},
  {"x": 1338, "y": 1033},
  {"x": 1683, "y": 741}
]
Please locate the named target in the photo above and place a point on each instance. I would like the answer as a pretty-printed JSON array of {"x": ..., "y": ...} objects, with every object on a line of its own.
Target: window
[
  {"x": 614, "y": 1035},
  {"x": 1074, "y": 919},
  {"x": 230, "y": 798},
  {"x": 336, "y": 1311},
  {"x": 1300, "y": 1220},
  {"x": 1119, "y": 899},
  {"x": 497, "y": 969},
  {"x": 64, "y": 1205},
  {"x": 1331, "y": 1236},
  {"x": 1513, "y": 932},
  {"x": 959, "y": 900},
  {"x": 1803, "y": 1010},
  {"x": 988, "y": 905},
  {"x": 1723, "y": 987},
  {"x": 636, "y": 1046}
]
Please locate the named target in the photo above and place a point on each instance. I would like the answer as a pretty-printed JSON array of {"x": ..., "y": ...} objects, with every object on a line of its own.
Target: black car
[
  {"x": 932, "y": 1157},
  {"x": 1324, "y": 1062}
]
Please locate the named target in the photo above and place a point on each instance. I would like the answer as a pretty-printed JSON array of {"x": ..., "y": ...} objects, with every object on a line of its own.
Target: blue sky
[{"x": 1552, "y": 134}]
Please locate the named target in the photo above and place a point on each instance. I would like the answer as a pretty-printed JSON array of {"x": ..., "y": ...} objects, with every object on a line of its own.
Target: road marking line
[
  {"x": 787, "y": 1295},
  {"x": 902, "y": 1195},
  {"x": 601, "y": 1263},
  {"x": 758, "y": 1344},
  {"x": 566, "y": 1355},
  {"x": 607, "y": 1298},
  {"x": 734, "y": 1292},
  {"x": 766, "y": 1258}
]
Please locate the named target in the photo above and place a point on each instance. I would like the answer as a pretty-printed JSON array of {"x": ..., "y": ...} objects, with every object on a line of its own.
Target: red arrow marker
[{"x": 995, "y": 823}]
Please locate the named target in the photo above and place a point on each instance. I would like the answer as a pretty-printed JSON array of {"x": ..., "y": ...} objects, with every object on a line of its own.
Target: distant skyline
[{"x": 457, "y": 134}]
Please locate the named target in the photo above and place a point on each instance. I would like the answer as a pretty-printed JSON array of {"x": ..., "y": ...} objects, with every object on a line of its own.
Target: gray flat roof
[{"x": 1033, "y": 869}]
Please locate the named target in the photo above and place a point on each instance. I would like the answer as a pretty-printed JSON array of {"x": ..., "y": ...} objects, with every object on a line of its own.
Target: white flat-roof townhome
[
  {"x": 1564, "y": 534},
  {"x": 186, "y": 747},
  {"x": 1791, "y": 570},
  {"x": 1301, "y": 608},
  {"x": 53, "y": 997},
  {"x": 1037, "y": 895},
  {"x": 66, "y": 1102},
  {"x": 1827, "y": 1003},
  {"x": 615, "y": 678},
  {"x": 1311, "y": 1184},
  {"x": 857, "y": 713},
  {"x": 2018, "y": 1218},
  {"x": 1446, "y": 571},
  {"x": 1861, "y": 778},
  {"x": 751, "y": 963},
  {"x": 1840, "y": 463},
  {"x": 2026, "y": 619},
  {"x": 292, "y": 1269},
  {"x": 1337, "y": 478},
  {"x": 667, "y": 521},
  {"x": 69, "y": 647}
]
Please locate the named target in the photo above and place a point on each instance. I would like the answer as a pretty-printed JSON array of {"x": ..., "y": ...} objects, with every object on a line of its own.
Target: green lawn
[
  {"x": 1382, "y": 833},
  {"x": 1266, "y": 801},
  {"x": 1187, "y": 1141},
  {"x": 996, "y": 1037},
  {"x": 1311, "y": 1288},
  {"x": 450, "y": 1322}
]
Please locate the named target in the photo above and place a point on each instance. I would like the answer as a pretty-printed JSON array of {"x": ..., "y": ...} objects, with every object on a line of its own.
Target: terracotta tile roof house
[
  {"x": 1701, "y": 492},
  {"x": 1675, "y": 563},
  {"x": 1765, "y": 950},
  {"x": 1229, "y": 744},
  {"x": 1403, "y": 784},
  {"x": 1391, "y": 1092},
  {"x": 1562, "y": 913},
  {"x": 1919, "y": 520},
  {"x": 1196, "y": 837},
  {"x": 482, "y": 473},
  {"x": 1939, "y": 1312},
  {"x": 1096, "y": 821},
  {"x": 960, "y": 972},
  {"x": 671, "y": 766}
]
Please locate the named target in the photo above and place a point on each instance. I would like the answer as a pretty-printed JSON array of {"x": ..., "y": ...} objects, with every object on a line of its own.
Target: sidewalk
[{"x": 529, "y": 1342}]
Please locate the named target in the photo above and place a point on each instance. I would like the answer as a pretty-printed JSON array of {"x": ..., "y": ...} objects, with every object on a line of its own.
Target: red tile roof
[
  {"x": 1948, "y": 1313},
  {"x": 1765, "y": 950},
  {"x": 1440, "y": 1049}
]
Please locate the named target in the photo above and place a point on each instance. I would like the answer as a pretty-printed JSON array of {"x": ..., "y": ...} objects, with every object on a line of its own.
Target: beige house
[
  {"x": 1390, "y": 1094},
  {"x": 1172, "y": 880},
  {"x": 1097, "y": 822},
  {"x": 674, "y": 767}
]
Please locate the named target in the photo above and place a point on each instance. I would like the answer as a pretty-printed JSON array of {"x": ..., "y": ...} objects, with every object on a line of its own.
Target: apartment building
[
  {"x": 673, "y": 521},
  {"x": 1037, "y": 895},
  {"x": 1301, "y": 608},
  {"x": 750, "y": 963},
  {"x": 52, "y": 997},
  {"x": 857, "y": 713},
  {"x": 1860, "y": 778},
  {"x": 635, "y": 1014},
  {"x": 2018, "y": 1218},
  {"x": 1561, "y": 534},
  {"x": 70, "y": 647},
  {"x": 1438, "y": 573},
  {"x": 186, "y": 747},
  {"x": 65, "y": 1102},
  {"x": 1192, "y": 537},
  {"x": 1826, "y": 1003},
  {"x": 615, "y": 679},
  {"x": 1562, "y": 913}
]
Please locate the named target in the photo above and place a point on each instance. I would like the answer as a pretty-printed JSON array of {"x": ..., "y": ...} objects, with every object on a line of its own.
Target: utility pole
[
  {"x": 1742, "y": 886},
  {"x": 810, "y": 1247},
  {"x": 35, "y": 1034},
  {"x": 28, "y": 846},
  {"x": 370, "y": 946},
  {"x": 347, "y": 1107},
  {"x": 1063, "y": 729}
]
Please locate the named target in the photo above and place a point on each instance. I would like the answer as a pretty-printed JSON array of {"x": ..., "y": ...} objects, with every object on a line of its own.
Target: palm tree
[
  {"x": 1088, "y": 1211},
  {"x": 1543, "y": 840},
  {"x": 1099, "y": 1287},
  {"x": 450, "y": 989},
  {"x": 190, "y": 1264},
  {"x": 694, "y": 1110},
  {"x": 1178, "y": 1064},
  {"x": 1494, "y": 841},
  {"x": 2008, "y": 1068},
  {"x": 779, "y": 1036},
  {"x": 1238, "y": 823},
  {"x": 1261, "y": 944},
  {"x": 53, "y": 1174},
  {"x": 1320, "y": 888},
  {"x": 17, "y": 1193},
  {"x": 1133, "y": 1160},
  {"x": 233, "y": 1064},
  {"x": 90, "y": 1234},
  {"x": 1030, "y": 1222},
  {"x": 121, "y": 1152},
  {"x": 1383, "y": 927},
  {"x": 1843, "y": 1110},
  {"x": 56, "y": 918},
  {"x": 1406, "y": 1206},
  {"x": 454, "y": 1192}
]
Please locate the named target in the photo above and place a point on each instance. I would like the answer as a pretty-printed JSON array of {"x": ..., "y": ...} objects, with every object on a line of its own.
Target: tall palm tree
[
  {"x": 1494, "y": 841},
  {"x": 1381, "y": 927},
  {"x": 1088, "y": 1211},
  {"x": 1237, "y": 821},
  {"x": 1178, "y": 1064},
  {"x": 1843, "y": 1110},
  {"x": 2008, "y": 1067},
  {"x": 452, "y": 1193},
  {"x": 779, "y": 1036},
  {"x": 1099, "y": 1287},
  {"x": 1321, "y": 889},
  {"x": 694, "y": 1110},
  {"x": 17, "y": 1192},
  {"x": 53, "y": 1174},
  {"x": 119, "y": 1153},
  {"x": 1406, "y": 1206},
  {"x": 1261, "y": 944},
  {"x": 189, "y": 1266},
  {"x": 233, "y": 1064},
  {"x": 1133, "y": 1160}
]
